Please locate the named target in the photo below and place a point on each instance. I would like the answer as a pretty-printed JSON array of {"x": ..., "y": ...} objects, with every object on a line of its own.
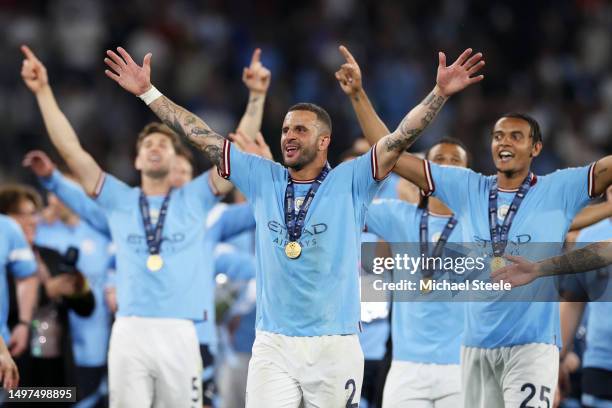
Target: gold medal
[
  {"x": 497, "y": 262},
  {"x": 293, "y": 249},
  {"x": 155, "y": 262}
]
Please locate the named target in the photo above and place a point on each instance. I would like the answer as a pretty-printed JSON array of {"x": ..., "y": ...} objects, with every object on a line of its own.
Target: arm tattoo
[
  {"x": 590, "y": 257},
  {"x": 406, "y": 134},
  {"x": 192, "y": 128}
]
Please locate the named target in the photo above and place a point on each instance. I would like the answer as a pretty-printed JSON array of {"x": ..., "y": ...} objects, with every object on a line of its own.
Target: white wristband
[{"x": 151, "y": 95}]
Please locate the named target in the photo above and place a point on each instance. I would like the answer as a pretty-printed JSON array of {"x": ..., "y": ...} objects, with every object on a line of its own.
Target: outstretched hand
[
  {"x": 40, "y": 164},
  {"x": 519, "y": 273},
  {"x": 123, "y": 70},
  {"x": 458, "y": 76},
  {"x": 33, "y": 72},
  {"x": 257, "y": 147},
  {"x": 256, "y": 76},
  {"x": 349, "y": 74}
]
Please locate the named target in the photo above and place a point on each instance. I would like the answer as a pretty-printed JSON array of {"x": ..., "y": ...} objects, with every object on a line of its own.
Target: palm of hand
[
  {"x": 452, "y": 79},
  {"x": 134, "y": 78}
]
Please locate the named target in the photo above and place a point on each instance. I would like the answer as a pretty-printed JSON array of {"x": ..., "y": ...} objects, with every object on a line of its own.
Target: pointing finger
[{"x": 347, "y": 55}]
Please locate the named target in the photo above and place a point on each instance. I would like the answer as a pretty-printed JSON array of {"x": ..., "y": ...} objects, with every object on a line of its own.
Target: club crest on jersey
[{"x": 502, "y": 211}]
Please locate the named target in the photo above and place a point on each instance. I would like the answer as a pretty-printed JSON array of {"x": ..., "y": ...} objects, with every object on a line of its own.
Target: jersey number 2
[{"x": 349, "y": 402}]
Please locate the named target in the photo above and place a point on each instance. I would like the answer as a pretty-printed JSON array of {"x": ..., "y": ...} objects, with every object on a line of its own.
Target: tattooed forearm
[
  {"x": 411, "y": 126},
  {"x": 594, "y": 256},
  {"x": 189, "y": 126}
]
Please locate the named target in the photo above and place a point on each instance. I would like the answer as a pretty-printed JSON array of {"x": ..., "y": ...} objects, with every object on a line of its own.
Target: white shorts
[
  {"x": 517, "y": 376},
  {"x": 154, "y": 362},
  {"x": 418, "y": 385},
  {"x": 321, "y": 371}
]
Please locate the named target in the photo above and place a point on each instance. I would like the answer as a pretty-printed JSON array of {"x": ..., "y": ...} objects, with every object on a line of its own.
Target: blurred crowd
[{"x": 550, "y": 59}]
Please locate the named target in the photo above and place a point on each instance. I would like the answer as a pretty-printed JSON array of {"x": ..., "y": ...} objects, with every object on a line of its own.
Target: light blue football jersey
[
  {"x": 174, "y": 291},
  {"x": 422, "y": 332},
  {"x": 598, "y": 351},
  {"x": 318, "y": 293},
  {"x": 17, "y": 258},
  {"x": 90, "y": 334},
  {"x": 543, "y": 217}
]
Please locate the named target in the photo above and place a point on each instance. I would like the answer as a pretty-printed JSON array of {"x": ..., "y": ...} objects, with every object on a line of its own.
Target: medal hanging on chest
[
  {"x": 424, "y": 243},
  {"x": 295, "y": 223},
  {"x": 499, "y": 234},
  {"x": 154, "y": 234}
]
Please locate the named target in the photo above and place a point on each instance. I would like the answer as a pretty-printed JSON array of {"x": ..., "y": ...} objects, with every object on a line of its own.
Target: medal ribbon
[
  {"x": 295, "y": 224},
  {"x": 153, "y": 234},
  {"x": 424, "y": 236},
  {"x": 499, "y": 234}
]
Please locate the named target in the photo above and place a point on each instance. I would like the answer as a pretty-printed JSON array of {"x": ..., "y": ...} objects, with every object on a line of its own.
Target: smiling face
[
  {"x": 155, "y": 155},
  {"x": 302, "y": 138},
  {"x": 512, "y": 145}
]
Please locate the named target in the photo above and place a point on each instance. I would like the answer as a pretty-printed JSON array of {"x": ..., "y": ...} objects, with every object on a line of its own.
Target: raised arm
[
  {"x": 137, "y": 80},
  {"x": 522, "y": 271},
  {"x": 69, "y": 193},
  {"x": 60, "y": 131},
  {"x": 450, "y": 79},
  {"x": 256, "y": 77}
]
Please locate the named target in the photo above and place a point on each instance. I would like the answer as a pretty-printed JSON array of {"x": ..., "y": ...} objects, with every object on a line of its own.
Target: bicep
[
  {"x": 602, "y": 175},
  {"x": 85, "y": 168}
]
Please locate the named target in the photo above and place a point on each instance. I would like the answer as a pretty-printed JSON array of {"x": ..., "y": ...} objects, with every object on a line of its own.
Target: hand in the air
[
  {"x": 256, "y": 77},
  {"x": 33, "y": 72},
  {"x": 40, "y": 164},
  {"x": 349, "y": 74},
  {"x": 123, "y": 70},
  {"x": 453, "y": 78}
]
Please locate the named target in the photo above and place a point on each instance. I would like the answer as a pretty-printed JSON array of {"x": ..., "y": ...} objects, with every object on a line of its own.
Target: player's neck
[
  {"x": 155, "y": 186},
  {"x": 436, "y": 206},
  {"x": 309, "y": 172},
  {"x": 511, "y": 180}
]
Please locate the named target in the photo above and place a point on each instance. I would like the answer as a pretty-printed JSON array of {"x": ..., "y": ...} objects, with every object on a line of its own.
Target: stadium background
[{"x": 549, "y": 58}]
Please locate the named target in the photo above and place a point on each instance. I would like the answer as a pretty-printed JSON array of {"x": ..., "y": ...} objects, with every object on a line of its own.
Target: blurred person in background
[
  {"x": 60, "y": 287},
  {"x": 61, "y": 229}
]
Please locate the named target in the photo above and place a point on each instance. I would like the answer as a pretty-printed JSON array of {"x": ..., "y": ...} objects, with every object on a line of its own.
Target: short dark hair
[
  {"x": 12, "y": 194},
  {"x": 453, "y": 141},
  {"x": 536, "y": 133},
  {"x": 157, "y": 127},
  {"x": 322, "y": 115}
]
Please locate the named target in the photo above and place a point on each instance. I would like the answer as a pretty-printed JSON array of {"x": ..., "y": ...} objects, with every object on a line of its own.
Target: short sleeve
[
  {"x": 366, "y": 178},
  {"x": 574, "y": 187},
  {"x": 199, "y": 192},
  {"x": 75, "y": 198},
  {"x": 110, "y": 193},
  {"x": 452, "y": 185},
  {"x": 245, "y": 170},
  {"x": 21, "y": 261}
]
